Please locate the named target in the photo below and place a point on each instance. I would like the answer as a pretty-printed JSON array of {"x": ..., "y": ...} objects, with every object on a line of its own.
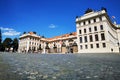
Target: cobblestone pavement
[{"x": 64, "y": 66}]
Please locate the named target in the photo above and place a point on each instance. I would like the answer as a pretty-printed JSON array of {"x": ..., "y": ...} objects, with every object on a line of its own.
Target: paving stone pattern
[{"x": 64, "y": 66}]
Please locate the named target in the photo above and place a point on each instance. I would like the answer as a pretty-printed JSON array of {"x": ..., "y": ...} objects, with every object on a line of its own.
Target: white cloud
[
  {"x": 11, "y": 33},
  {"x": 6, "y": 29},
  {"x": 52, "y": 26}
]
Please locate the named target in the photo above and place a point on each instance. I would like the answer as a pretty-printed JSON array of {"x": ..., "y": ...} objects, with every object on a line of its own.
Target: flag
[{"x": 113, "y": 17}]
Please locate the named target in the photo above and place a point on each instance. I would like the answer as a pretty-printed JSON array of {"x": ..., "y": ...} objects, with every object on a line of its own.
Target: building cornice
[{"x": 90, "y": 15}]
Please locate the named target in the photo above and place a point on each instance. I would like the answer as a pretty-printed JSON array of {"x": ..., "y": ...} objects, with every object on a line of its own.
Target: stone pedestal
[
  {"x": 64, "y": 50},
  {"x": 75, "y": 49}
]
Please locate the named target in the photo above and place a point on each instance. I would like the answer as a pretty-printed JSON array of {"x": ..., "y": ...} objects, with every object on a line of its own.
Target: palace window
[
  {"x": 84, "y": 30},
  {"x": 89, "y": 21},
  {"x": 84, "y": 22},
  {"x": 94, "y": 20},
  {"x": 80, "y": 32},
  {"x": 86, "y": 47},
  {"x": 102, "y": 36},
  {"x": 85, "y": 39},
  {"x": 80, "y": 39},
  {"x": 91, "y": 45},
  {"x": 104, "y": 45},
  {"x": 97, "y": 45},
  {"x": 101, "y": 27},
  {"x": 81, "y": 47},
  {"x": 90, "y": 30},
  {"x": 100, "y": 18},
  {"x": 95, "y": 28},
  {"x": 96, "y": 37},
  {"x": 91, "y": 39}
]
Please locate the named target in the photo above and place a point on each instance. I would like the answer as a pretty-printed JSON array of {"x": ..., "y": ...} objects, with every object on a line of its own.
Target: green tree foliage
[
  {"x": 0, "y": 37},
  {"x": 15, "y": 44},
  {"x": 1, "y": 46},
  {"x": 7, "y": 43}
]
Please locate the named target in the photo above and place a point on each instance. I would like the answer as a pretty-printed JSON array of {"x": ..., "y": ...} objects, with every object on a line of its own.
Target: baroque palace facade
[
  {"x": 31, "y": 42},
  {"x": 95, "y": 33}
]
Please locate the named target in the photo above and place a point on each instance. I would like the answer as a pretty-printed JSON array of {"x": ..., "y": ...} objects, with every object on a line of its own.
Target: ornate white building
[{"x": 96, "y": 33}]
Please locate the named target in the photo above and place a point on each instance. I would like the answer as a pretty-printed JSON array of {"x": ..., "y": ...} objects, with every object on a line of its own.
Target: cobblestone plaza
[{"x": 60, "y": 66}]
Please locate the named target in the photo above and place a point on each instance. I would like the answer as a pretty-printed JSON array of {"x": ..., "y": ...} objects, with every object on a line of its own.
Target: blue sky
[{"x": 48, "y": 17}]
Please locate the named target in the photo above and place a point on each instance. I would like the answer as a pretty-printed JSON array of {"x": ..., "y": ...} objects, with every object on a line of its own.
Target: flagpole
[{"x": 114, "y": 21}]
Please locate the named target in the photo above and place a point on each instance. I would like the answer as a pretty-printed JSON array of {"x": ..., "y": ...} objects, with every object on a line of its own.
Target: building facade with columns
[{"x": 96, "y": 33}]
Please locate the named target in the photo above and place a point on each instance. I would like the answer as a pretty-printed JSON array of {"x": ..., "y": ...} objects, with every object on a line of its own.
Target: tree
[
  {"x": 15, "y": 44},
  {"x": 1, "y": 46},
  {"x": 0, "y": 37},
  {"x": 7, "y": 43}
]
